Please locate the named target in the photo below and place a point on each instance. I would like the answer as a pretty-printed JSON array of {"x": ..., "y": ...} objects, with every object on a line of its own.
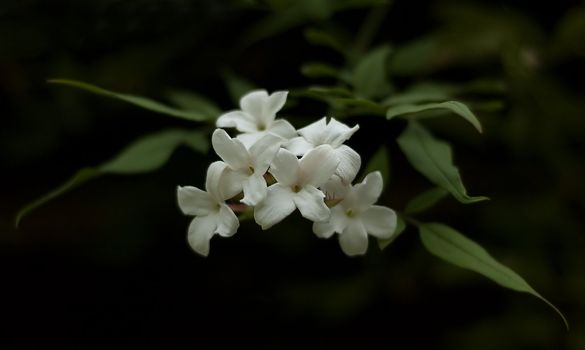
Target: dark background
[{"x": 108, "y": 265}]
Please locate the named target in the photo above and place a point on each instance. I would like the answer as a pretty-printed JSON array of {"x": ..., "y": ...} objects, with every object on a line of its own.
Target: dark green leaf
[
  {"x": 400, "y": 226},
  {"x": 237, "y": 86},
  {"x": 333, "y": 91},
  {"x": 79, "y": 178},
  {"x": 415, "y": 57},
  {"x": 135, "y": 100},
  {"x": 452, "y": 246},
  {"x": 321, "y": 38},
  {"x": 275, "y": 23},
  {"x": 370, "y": 75},
  {"x": 380, "y": 161},
  {"x": 151, "y": 152},
  {"x": 340, "y": 5},
  {"x": 193, "y": 102},
  {"x": 454, "y": 106},
  {"x": 320, "y": 70},
  {"x": 425, "y": 200},
  {"x": 433, "y": 158},
  {"x": 424, "y": 92},
  {"x": 146, "y": 154},
  {"x": 367, "y": 106}
]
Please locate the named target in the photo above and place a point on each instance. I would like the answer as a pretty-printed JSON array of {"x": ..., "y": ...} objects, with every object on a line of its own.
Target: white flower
[
  {"x": 334, "y": 134},
  {"x": 297, "y": 186},
  {"x": 256, "y": 117},
  {"x": 211, "y": 213},
  {"x": 246, "y": 168},
  {"x": 355, "y": 217}
]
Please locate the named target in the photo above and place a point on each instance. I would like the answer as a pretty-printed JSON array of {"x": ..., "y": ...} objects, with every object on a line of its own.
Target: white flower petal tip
[
  {"x": 333, "y": 133},
  {"x": 297, "y": 186},
  {"x": 212, "y": 215},
  {"x": 256, "y": 117},
  {"x": 355, "y": 216}
]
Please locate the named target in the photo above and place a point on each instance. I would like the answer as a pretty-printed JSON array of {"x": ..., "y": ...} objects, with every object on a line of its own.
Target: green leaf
[
  {"x": 135, "y": 100},
  {"x": 293, "y": 15},
  {"x": 152, "y": 151},
  {"x": 329, "y": 91},
  {"x": 450, "y": 245},
  {"x": 425, "y": 200},
  {"x": 454, "y": 106},
  {"x": 370, "y": 75},
  {"x": 79, "y": 178},
  {"x": 422, "y": 92},
  {"x": 320, "y": 70},
  {"x": 358, "y": 102},
  {"x": 415, "y": 57},
  {"x": 380, "y": 161},
  {"x": 193, "y": 102},
  {"x": 237, "y": 86},
  {"x": 400, "y": 226},
  {"x": 146, "y": 154},
  {"x": 433, "y": 158},
  {"x": 320, "y": 37}
]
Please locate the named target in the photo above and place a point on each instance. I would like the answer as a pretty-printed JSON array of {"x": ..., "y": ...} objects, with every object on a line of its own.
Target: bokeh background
[{"x": 107, "y": 265}]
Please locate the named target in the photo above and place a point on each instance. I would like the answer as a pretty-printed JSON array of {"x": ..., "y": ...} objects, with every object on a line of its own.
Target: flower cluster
[{"x": 274, "y": 169}]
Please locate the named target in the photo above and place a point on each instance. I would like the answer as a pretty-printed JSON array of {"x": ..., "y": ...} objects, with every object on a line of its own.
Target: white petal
[
  {"x": 233, "y": 152},
  {"x": 276, "y": 101},
  {"x": 349, "y": 163},
  {"x": 310, "y": 202},
  {"x": 282, "y": 128},
  {"x": 337, "y": 222},
  {"x": 255, "y": 103},
  {"x": 337, "y": 133},
  {"x": 323, "y": 229},
  {"x": 250, "y": 138},
  {"x": 254, "y": 189},
  {"x": 194, "y": 201},
  {"x": 262, "y": 153},
  {"x": 335, "y": 188},
  {"x": 227, "y": 222},
  {"x": 277, "y": 205},
  {"x": 354, "y": 239},
  {"x": 314, "y": 132},
  {"x": 366, "y": 193},
  {"x": 298, "y": 145},
  {"x": 285, "y": 168},
  {"x": 379, "y": 221},
  {"x": 200, "y": 232},
  {"x": 240, "y": 120},
  {"x": 317, "y": 166},
  {"x": 215, "y": 182},
  {"x": 232, "y": 182}
]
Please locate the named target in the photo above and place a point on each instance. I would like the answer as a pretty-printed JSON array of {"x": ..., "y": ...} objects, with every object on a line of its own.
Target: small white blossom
[
  {"x": 257, "y": 117},
  {"x": 246, "y": 168},
  {"x": 334, "y": 134},
  {"x": 297, "y": 186},
  {"x": 211, "y": 213},
  {"x": 355, "y": 217}
]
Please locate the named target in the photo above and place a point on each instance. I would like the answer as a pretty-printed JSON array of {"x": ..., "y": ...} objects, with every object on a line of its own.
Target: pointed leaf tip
[{"x": 451, "y": 246}]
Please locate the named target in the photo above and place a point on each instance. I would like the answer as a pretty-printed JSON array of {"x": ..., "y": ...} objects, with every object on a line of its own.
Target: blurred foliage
[{"x": 115, "y": 253}]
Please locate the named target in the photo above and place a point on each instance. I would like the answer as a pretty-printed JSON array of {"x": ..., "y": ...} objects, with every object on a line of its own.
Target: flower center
[
  {"x": 251, "y": 170},
  {"x": 349, "y": 213},
  {"x": 296, "y": 188}
]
